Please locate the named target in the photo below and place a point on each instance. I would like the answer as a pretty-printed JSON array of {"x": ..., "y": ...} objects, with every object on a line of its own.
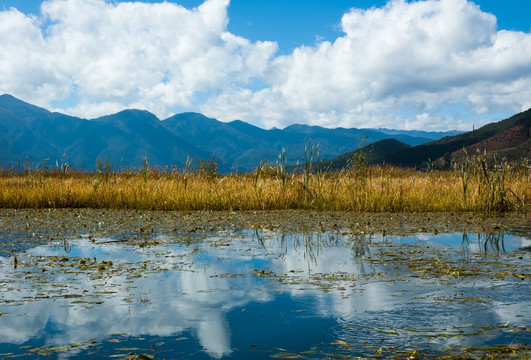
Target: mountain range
[
  {"x": 32, "y": 135},
  {"x": 509, "y": 139}
]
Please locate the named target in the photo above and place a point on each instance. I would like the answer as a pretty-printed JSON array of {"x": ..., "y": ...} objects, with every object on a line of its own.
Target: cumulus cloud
[
  {"x": 152, "y": 56},
  {"x": 422, "y": 56},
  {"x": 401, "y": 65},
  {"x": 23, "y": 69}
]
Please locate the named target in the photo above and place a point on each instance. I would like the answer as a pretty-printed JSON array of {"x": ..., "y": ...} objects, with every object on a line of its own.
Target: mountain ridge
[
  {"x": 509, "y": 138},
  {"x": 126, "y": 137}
]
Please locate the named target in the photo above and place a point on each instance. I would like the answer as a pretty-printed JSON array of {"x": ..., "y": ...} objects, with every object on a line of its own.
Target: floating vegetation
[{"x": 147, "y": 285}]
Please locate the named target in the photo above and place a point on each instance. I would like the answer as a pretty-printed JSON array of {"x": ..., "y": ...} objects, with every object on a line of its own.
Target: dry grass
[{"x": 367, "y": 189}]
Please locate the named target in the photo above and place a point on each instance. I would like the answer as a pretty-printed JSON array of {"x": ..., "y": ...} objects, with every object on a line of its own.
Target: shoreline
[{"x": 46, "y": 223}]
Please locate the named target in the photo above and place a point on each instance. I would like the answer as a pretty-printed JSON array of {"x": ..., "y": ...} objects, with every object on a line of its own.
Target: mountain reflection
[{"x": 194, "y": 288}]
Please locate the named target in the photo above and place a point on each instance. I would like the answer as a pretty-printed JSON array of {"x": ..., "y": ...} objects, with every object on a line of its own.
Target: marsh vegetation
[{"x": 474, "y": 185}]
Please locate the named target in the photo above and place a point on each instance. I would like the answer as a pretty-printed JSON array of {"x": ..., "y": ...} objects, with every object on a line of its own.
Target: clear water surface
[{"x": 260, "y": 294}]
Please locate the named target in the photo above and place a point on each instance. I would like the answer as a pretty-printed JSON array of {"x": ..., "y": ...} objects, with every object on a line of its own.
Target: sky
[{"x": 423, "y": 65}]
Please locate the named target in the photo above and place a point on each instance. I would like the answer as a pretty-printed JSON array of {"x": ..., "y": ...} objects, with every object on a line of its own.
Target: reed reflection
[{"x": 173, "y": 288}]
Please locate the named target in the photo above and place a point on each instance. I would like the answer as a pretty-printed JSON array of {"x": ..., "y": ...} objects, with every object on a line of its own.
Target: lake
[{"x": 262, "y": 293}]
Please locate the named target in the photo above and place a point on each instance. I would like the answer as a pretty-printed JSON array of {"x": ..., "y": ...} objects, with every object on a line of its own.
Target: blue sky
[
  {"x": 430, "y": 64},
  {"x": 295, "y": 22},
  {"x": 292, "y": 23}
]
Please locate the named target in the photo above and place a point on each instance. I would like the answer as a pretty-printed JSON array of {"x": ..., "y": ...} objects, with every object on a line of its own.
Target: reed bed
[{"x": 469, "y": 187}]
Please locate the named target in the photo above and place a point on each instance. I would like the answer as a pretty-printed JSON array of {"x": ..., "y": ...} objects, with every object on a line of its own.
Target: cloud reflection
[{"x": 194, "y": 288}]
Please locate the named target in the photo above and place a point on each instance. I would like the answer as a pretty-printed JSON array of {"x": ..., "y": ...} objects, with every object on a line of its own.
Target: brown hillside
[
  {"x": 523, "y": 151},
  {"x": 513, "y": 143}
]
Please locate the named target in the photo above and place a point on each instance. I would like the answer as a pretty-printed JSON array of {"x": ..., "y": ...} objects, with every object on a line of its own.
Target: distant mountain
[
  {"x": 130, "y": 135},
  {"x": 242, "y": 146},
  {"x": 372, "y": 153},
  {"x": 432, "y": 135},
  {"x": 30, "y": 133},
  {"x": 510, "y": 138}
]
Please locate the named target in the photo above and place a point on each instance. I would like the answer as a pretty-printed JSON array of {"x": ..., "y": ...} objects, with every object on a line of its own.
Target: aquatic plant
[
  {"x": 492, "y": 191},
  {"x": 472, "y": 186}
]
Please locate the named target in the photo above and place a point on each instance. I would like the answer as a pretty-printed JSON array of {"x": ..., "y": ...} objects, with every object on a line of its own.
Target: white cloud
[
  {"x": 23, "y": 69},
  {"x": 125, "y": 53},
  {"x": 425, "y": 56}
]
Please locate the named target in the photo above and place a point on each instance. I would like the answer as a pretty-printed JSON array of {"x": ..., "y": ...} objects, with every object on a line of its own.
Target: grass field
[{"x": 470, "y": 187}]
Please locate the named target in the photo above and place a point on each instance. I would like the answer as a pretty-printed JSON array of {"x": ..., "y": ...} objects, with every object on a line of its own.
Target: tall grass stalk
[
  {"x": 476, "y": 187},
  {"x": 492, "y": 191}
]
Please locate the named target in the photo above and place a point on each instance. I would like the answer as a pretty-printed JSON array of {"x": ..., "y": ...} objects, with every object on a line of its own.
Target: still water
[{"x": 263, "y": 294}]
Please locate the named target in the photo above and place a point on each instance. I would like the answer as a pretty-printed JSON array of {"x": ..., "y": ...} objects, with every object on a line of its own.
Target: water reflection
[
  {"x": 486, "y": 244},
  {"x": 480, "y": 244},
  {"x": 163, "y": 303},
  {"x": 170, "y": 290}
]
